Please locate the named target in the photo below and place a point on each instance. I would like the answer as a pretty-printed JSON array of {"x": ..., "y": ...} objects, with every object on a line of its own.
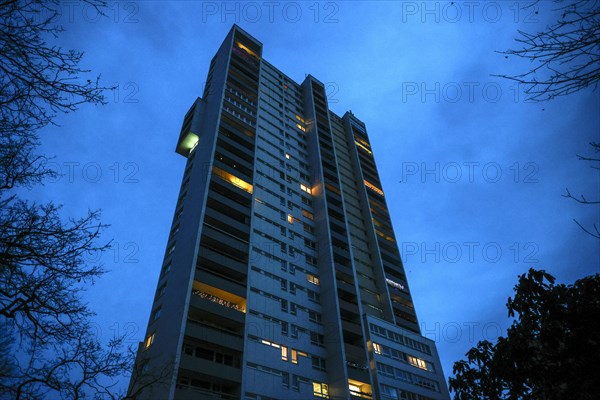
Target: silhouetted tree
[
  {"x": 47, "y": 347},
  {"x": 144, "y": 377},
  {"x": 550, "y": 351},
  {"x": 581, "y": 199},
  {"x": 565, "y": 56}
]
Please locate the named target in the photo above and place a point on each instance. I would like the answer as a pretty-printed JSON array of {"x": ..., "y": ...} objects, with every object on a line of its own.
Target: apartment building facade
[{"x": 282, "y": 277}]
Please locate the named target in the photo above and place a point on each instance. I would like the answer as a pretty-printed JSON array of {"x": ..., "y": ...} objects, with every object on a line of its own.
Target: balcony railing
[
  {"x": 206, "y": 394},
  {"x": 218, "y": 300}
]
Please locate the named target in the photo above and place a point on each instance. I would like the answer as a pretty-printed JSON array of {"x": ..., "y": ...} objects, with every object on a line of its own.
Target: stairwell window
[{"x": 149, "y": 340}]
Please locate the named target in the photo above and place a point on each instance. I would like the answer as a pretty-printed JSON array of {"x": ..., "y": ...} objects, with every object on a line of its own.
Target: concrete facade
[{"x": 282, "y": 277}]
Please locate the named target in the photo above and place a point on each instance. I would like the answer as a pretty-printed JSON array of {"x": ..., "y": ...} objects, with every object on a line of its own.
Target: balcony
[
  {"x": 210, "y": 368},
  {"x": 359, "y": 389},
  {"x": 214, "y": 334},
  {"x": 190, "y": 393},
  {"x": 218, "y": 301},
  {"x": 224, "y": 263}
]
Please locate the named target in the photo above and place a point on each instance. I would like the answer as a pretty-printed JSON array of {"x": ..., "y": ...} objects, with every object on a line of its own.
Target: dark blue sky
[{"x": 473, "y": 174}]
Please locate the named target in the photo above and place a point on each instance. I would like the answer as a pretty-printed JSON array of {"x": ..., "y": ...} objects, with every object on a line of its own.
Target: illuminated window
[
  {"x": 246, "y": 49},
  {"x": 377, "y": 348},
  {"x": 373, "y": 188},
  {"x": 308, "y": 215},
  {"x": 296, "y": 354},
  {"x": 312, "y": 279},
  {"x": 149, "y": 340},
  {"x": 360, "y": 389},
  {"x": 290, "y": 219},
  {"x": 305, "y": 188},
  {"x": 383, "y": 235},
  {"x": 234, "y": 180},
  {"x": 284, "y": 349},
  {"x": 287, "y": 156},
  {"x": 395, "y": 284},
  {"x": 299, "y": 118},
  {"x": 320, "y": 390},
  {"x": 417, "y": 362},
  {"x": 219, "y": 296},
  {"x": 303, "y": 129},
  {"x": 363, "y": 147}
]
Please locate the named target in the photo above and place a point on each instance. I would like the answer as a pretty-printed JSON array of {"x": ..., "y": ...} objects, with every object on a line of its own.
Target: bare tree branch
[{"x": 565, "y": 57}]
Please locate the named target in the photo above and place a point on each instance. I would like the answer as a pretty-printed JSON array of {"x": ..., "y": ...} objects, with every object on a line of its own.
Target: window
[
  {"x": 156, "y": 314},
  {"x": 284, "y": 349},
  {"x": 234, "y": 180},
  {"x": 377, "y": 348},
  {"x": 149, "y": 340},
  {"x": 320, "y": 390},
  {"x": 318, "y": 363},
  {"x": 308, "y": 214},
  {"x": 161, "y": 290},
  {"x": 305, "y": 188},
  {"x": 417, "y": 362},
  {"x": 314, "y": 316},
  {"x": 313, "y": 296},
  {"x": 317, "y": 339},
  {"x": 389, "y": 392},
  {"x": 296, "y": 354},
  {"x": 166, "y": 269},
  {"x": 312, "y": 279},
  {"x": 373, "y": 188},
  {"x": 171, "y": 249}
]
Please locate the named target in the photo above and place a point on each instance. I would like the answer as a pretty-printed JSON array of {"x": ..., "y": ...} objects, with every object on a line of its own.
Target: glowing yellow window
[
  {"x": 305, "y": 188},
  {"x": 417, "y": 362},
  {"x": 149, "y": 340},
  {"x": 377, "y": 348},
  {"x": 284, "y": 353},
  {"x": 312, "y": 279},
  {"x": 287, "y": 156},
  {"x": 320, "y": 390},
  {"x": 373, "y": 188},
  {"x": 360, "y": 389},
  {"x": 290, "y": 219},
  {"x": 219, "y": 296},
  {"x": 363, "y": 147},
  {"x": 234, "y": 180},
  {"x": 303, "y": 129},
  {"x": 299, "y": 118},
  {"x": 308, "y": 214},
  {"x": 246, "y": 49},
  {"x": 383, "y": 235}
]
